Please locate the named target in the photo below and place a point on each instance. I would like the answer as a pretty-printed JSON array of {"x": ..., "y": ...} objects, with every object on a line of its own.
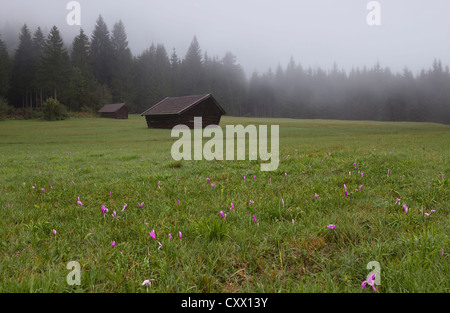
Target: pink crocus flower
[
  {"x": 370, "y": 282},
  {"x": 397, "y": 200},
  {"x": 152, "y": 234},
  {"x": 141, "y": 204},
  {"x": 207, "y": 179},
  {"x": 282, "y": 201},
  {"x": 362, "y": 174},
  {"x": 160, "y": 245},
  {"x": 331, "y": 226},
  {"x": 405, "y": 208},
  {"x": 185, "y": 190},
  {"x": 224, "y": 215},
  {"x": 345, "y": 192},
  {"x": 54, "y": 232},
  {"x": 361, "y": 187},
  {"x": 113, "y": 244},
  {"x": 43, "y": 190},
  {"x": 232, "y": 206},
  {"x": 180, "y": 235},
  {"x": 316, "y": 195},
  {"x": 79, "y": 202},
  {"x": 51, "y": 187},
  {"x": 213, "y": 185},
  {"x": 124, "y": 207},
  {"x": 251, "y": 202},
  {"x": 254, "y": 219},
  {"x": 146, "y": 283},
  {"x": 170, "y": 236},
  {"x": 345, "y": 187},
  {"x": 179, "y": 202},
  {"x": 104, "y": 209},
  {"x": 292, "y": 221},
  {"x": 285, "y": 174},
  {"x": 114, "y": 214}
]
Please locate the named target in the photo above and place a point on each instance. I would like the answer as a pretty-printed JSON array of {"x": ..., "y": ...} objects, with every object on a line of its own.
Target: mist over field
[
  {"x": 261, "y": 33},
  {"x": 381, "y": 60}
]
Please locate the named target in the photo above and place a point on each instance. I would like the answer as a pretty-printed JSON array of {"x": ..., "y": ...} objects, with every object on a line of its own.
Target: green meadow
[{"x": 275, "y": 239}]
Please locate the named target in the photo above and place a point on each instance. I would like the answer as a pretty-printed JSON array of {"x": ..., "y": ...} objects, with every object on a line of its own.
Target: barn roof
[
  {"x": 108, "y": 108},
  {"x": 177, "y": 105}
]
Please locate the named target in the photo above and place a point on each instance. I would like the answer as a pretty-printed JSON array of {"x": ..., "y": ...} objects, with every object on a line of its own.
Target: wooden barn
[
  {"x": 182, "y": 110},
  {"x": 117, "y": 110}
]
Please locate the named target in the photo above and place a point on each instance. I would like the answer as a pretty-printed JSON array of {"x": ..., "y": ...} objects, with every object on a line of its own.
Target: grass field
[{"x": 102, "y": 162}]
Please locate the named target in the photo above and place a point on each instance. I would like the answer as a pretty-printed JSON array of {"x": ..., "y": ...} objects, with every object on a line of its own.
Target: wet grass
[{"x": 290, "y": 249}]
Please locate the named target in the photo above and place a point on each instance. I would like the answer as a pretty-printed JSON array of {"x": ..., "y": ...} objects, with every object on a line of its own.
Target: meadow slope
[{"x": 350, "y": 174}]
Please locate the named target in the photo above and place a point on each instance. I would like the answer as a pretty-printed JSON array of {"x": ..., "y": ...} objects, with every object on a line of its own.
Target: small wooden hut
[
  {"x": 182, "y": 110},
  {"x": 117, "y": 110}
]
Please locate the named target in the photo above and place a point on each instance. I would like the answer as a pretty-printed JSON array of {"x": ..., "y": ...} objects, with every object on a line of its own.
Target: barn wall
[
  {"x": 122, "y": 113},
  {"x": 108, "y": 114},
  {"x": 207, "y": 110}
]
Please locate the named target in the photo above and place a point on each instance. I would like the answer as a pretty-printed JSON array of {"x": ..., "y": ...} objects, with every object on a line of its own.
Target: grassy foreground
[{"x": 110, "y": 163}]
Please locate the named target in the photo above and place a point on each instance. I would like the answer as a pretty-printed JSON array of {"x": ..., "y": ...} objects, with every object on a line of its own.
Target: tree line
[{"x": 101, "y": 69}]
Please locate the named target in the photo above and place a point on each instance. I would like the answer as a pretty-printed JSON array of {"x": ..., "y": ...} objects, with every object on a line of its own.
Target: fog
[{"x": 260, "y": 33}]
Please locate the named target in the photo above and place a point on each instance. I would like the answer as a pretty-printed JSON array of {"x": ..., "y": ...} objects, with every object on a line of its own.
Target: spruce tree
[
  {"x": 192, "y": 75},
  {"x": 122, "y": 61},
  {"x": 5, "y": 69},
  {"x": 22, "y": 77},
  {"x": 54, "y": 67},
  {"x": 38, "y": 48},
  {"x": 81, "y": 93},
  {"x": 101, "y": 52},
  {"x": 80, "y": 56}
]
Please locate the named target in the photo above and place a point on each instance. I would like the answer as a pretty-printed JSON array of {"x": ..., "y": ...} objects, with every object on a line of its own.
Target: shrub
[
  {"x": 53, "y": 110},
  {"x": 5, "y": 109}
]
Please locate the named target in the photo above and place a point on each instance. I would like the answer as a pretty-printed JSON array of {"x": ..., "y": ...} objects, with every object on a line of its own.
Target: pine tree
[
  {"x": 174, "y": 72},
  {"x": 192, "y": 75},
  {"x": 80, "y": 56},
  {"x": 101, "y": 52},
  {"x": 22, "y": 77},
  {"x": 81, "y": 94},
  {"x": 54, "y": 67},
  {"x": 38, "y": 48},
  {"x": 122, "y": 61},
  {"x": 5, "y": 69}
]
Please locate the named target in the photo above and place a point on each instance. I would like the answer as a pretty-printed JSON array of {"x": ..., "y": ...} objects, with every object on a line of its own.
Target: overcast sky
[{"x": 263, "y": 33}]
